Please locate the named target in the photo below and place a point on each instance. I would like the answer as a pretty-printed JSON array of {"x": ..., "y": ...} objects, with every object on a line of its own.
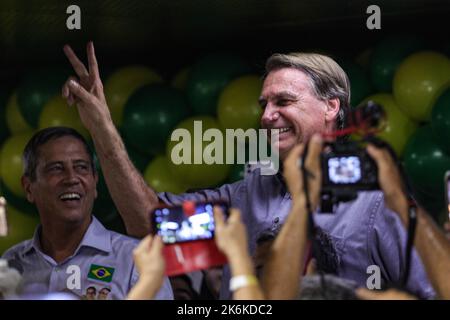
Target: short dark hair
[
  {"x": 91, "y": 287},
  {"x": 30, "y": 153}
]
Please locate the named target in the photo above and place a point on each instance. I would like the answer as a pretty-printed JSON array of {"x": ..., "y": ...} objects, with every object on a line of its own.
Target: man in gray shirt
[
  {"x": 71, "y": 251},
  {"x": 302, "y": 94}
]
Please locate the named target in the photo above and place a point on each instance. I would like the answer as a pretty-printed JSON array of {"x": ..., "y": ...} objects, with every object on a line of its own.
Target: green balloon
[
  {"x": 209, "y": 76},
  {"x": 426, "y": 162},
  {"x": 440, "y": 120},
  {"x": 359, "y": 82},
  {"x": 150, "y": 115},
  {"x": 36, "y": 89},
  {"x": 431, "y": 203},
  {"x": 388, "y": 55}
]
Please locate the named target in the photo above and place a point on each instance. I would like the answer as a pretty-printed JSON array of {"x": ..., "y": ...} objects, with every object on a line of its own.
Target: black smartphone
[{"x": 175, "y": 226}]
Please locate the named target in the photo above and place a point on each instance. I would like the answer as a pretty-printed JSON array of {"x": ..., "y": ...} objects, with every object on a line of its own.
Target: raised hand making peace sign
[{"x": 86, "y": 90}]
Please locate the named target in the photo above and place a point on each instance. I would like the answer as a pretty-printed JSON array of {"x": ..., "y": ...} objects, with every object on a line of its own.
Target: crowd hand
[
  {"x": 391, "y": 294},
  {"x": 86, "y": 90},
  {"x": 149, "y": 260},
  {"x": 293, "y": 174},
  {"x": 389, "y": 179},
  {"x": 230, "y": 235}
]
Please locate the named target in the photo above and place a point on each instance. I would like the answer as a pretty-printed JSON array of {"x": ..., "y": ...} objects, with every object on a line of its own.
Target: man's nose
[
  {"x": 71, "y": 177},
  {"x": 270, "y": 115}
]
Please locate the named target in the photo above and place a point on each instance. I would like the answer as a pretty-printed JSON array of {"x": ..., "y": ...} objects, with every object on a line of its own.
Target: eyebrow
[
  {"x": 78, "y": 161},
  {"x": 280, "y": 95}
]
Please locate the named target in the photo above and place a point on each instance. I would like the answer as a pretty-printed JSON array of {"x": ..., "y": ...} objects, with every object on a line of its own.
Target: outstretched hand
[{"x": 86, "y": 90}]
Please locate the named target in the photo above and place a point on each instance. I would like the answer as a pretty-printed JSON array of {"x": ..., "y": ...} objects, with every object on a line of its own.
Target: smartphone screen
[
  {"x": 344, "y": 170},
  {"x": 174, "y": 226}
]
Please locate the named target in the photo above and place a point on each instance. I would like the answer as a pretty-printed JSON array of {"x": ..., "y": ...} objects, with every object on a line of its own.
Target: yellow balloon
[
  {"x": 122, "y": 84},
  {"x": 14, "y": 120},
  {"x": 208, "y": 173},
  {"x": 57, "y": 113},
  {"x": 418, "y": 82},
  {"x": 398, "y": 127},
  {"x": 21, "y": 226},
  {"x": 159, "y": 177},
  {"x": 11, "y": 162},
  {"x": 238, "y": 105}
]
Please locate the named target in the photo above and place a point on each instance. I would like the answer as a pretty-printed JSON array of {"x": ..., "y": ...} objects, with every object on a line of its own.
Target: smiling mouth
[
  {"x": 282, "y": 130},
  {"x": 70, "y": 196}
]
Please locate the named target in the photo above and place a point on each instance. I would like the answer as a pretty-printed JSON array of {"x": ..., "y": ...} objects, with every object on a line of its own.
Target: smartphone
[
  {"x": 175, "y": 226},
  {"x": 447, "y": 191}
]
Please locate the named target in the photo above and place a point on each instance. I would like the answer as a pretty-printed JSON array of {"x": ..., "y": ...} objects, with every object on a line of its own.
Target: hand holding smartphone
[{"x": 188, "y": 234}]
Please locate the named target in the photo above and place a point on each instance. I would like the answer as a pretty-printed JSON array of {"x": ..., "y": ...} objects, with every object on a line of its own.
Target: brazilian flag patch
[{"x": 100, "y": 273}]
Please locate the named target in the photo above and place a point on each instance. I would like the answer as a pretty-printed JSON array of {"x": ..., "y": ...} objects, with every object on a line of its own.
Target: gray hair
[{"x": 328, "y": 79}]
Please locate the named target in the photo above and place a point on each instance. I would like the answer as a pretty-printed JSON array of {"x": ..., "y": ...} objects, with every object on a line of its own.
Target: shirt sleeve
[
  {"x": 224, "y": 193},
  {"x": 387, "y": 246}
]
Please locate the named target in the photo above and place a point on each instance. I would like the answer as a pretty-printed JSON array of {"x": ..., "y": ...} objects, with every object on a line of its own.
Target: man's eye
[
  {"x": 283, "y": 102},
  {"x": 55, "y": 168}
]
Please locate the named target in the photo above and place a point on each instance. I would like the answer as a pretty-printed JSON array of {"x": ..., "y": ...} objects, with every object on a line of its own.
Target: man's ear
[
  {"x": 333, "y": 107},
  {"x": 26, "y": 185}
]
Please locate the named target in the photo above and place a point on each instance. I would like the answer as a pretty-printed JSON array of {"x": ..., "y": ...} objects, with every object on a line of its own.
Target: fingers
[
  {"x": 92, "y": 61},
  {"x": 66, "y": 94},
  {"x": 218, "y": 217},
  {"x": 391, "y": 294},
  {"x": 143, "y": 246},
  {"x": 78, "y": 91},
  {"x": 294, "y": 155},
  {"x": 381, "y": 156},
  {"x": 156, "y": 246},
  {"x": 311, "y": 269},
  {"x": 235, "y": 216},
  {"x": 314, "y": 150},
  {"x": 77, "y": 65}
]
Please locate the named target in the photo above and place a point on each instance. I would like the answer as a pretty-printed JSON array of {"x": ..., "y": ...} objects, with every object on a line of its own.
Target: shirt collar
[{"x": 96, "y": 236}]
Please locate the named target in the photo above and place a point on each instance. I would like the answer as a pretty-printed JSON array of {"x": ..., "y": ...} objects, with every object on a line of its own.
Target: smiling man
[
  {"x": 71, "y": 251},
  {"x": 302, "y": 94}
]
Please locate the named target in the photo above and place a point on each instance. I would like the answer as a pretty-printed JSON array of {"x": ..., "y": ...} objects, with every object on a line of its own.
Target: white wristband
[{"x": 242, "y": 281}]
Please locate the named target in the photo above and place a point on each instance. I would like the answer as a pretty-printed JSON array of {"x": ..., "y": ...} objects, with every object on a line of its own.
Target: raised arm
[
  {"x": 132, "y": 196},
  {"x": 430, "y": 241},
  {"x": 283, "y": 269}
]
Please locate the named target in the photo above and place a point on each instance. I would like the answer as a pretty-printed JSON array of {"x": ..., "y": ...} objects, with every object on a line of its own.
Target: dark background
[{"x": 168, "y": 34}]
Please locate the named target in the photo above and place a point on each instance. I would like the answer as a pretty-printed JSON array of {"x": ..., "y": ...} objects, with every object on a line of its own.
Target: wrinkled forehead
[{"x": 289, "y": 80}]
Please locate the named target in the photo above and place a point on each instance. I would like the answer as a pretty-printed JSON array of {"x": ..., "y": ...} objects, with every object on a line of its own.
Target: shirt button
[{"x": 276, "y": 220}]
